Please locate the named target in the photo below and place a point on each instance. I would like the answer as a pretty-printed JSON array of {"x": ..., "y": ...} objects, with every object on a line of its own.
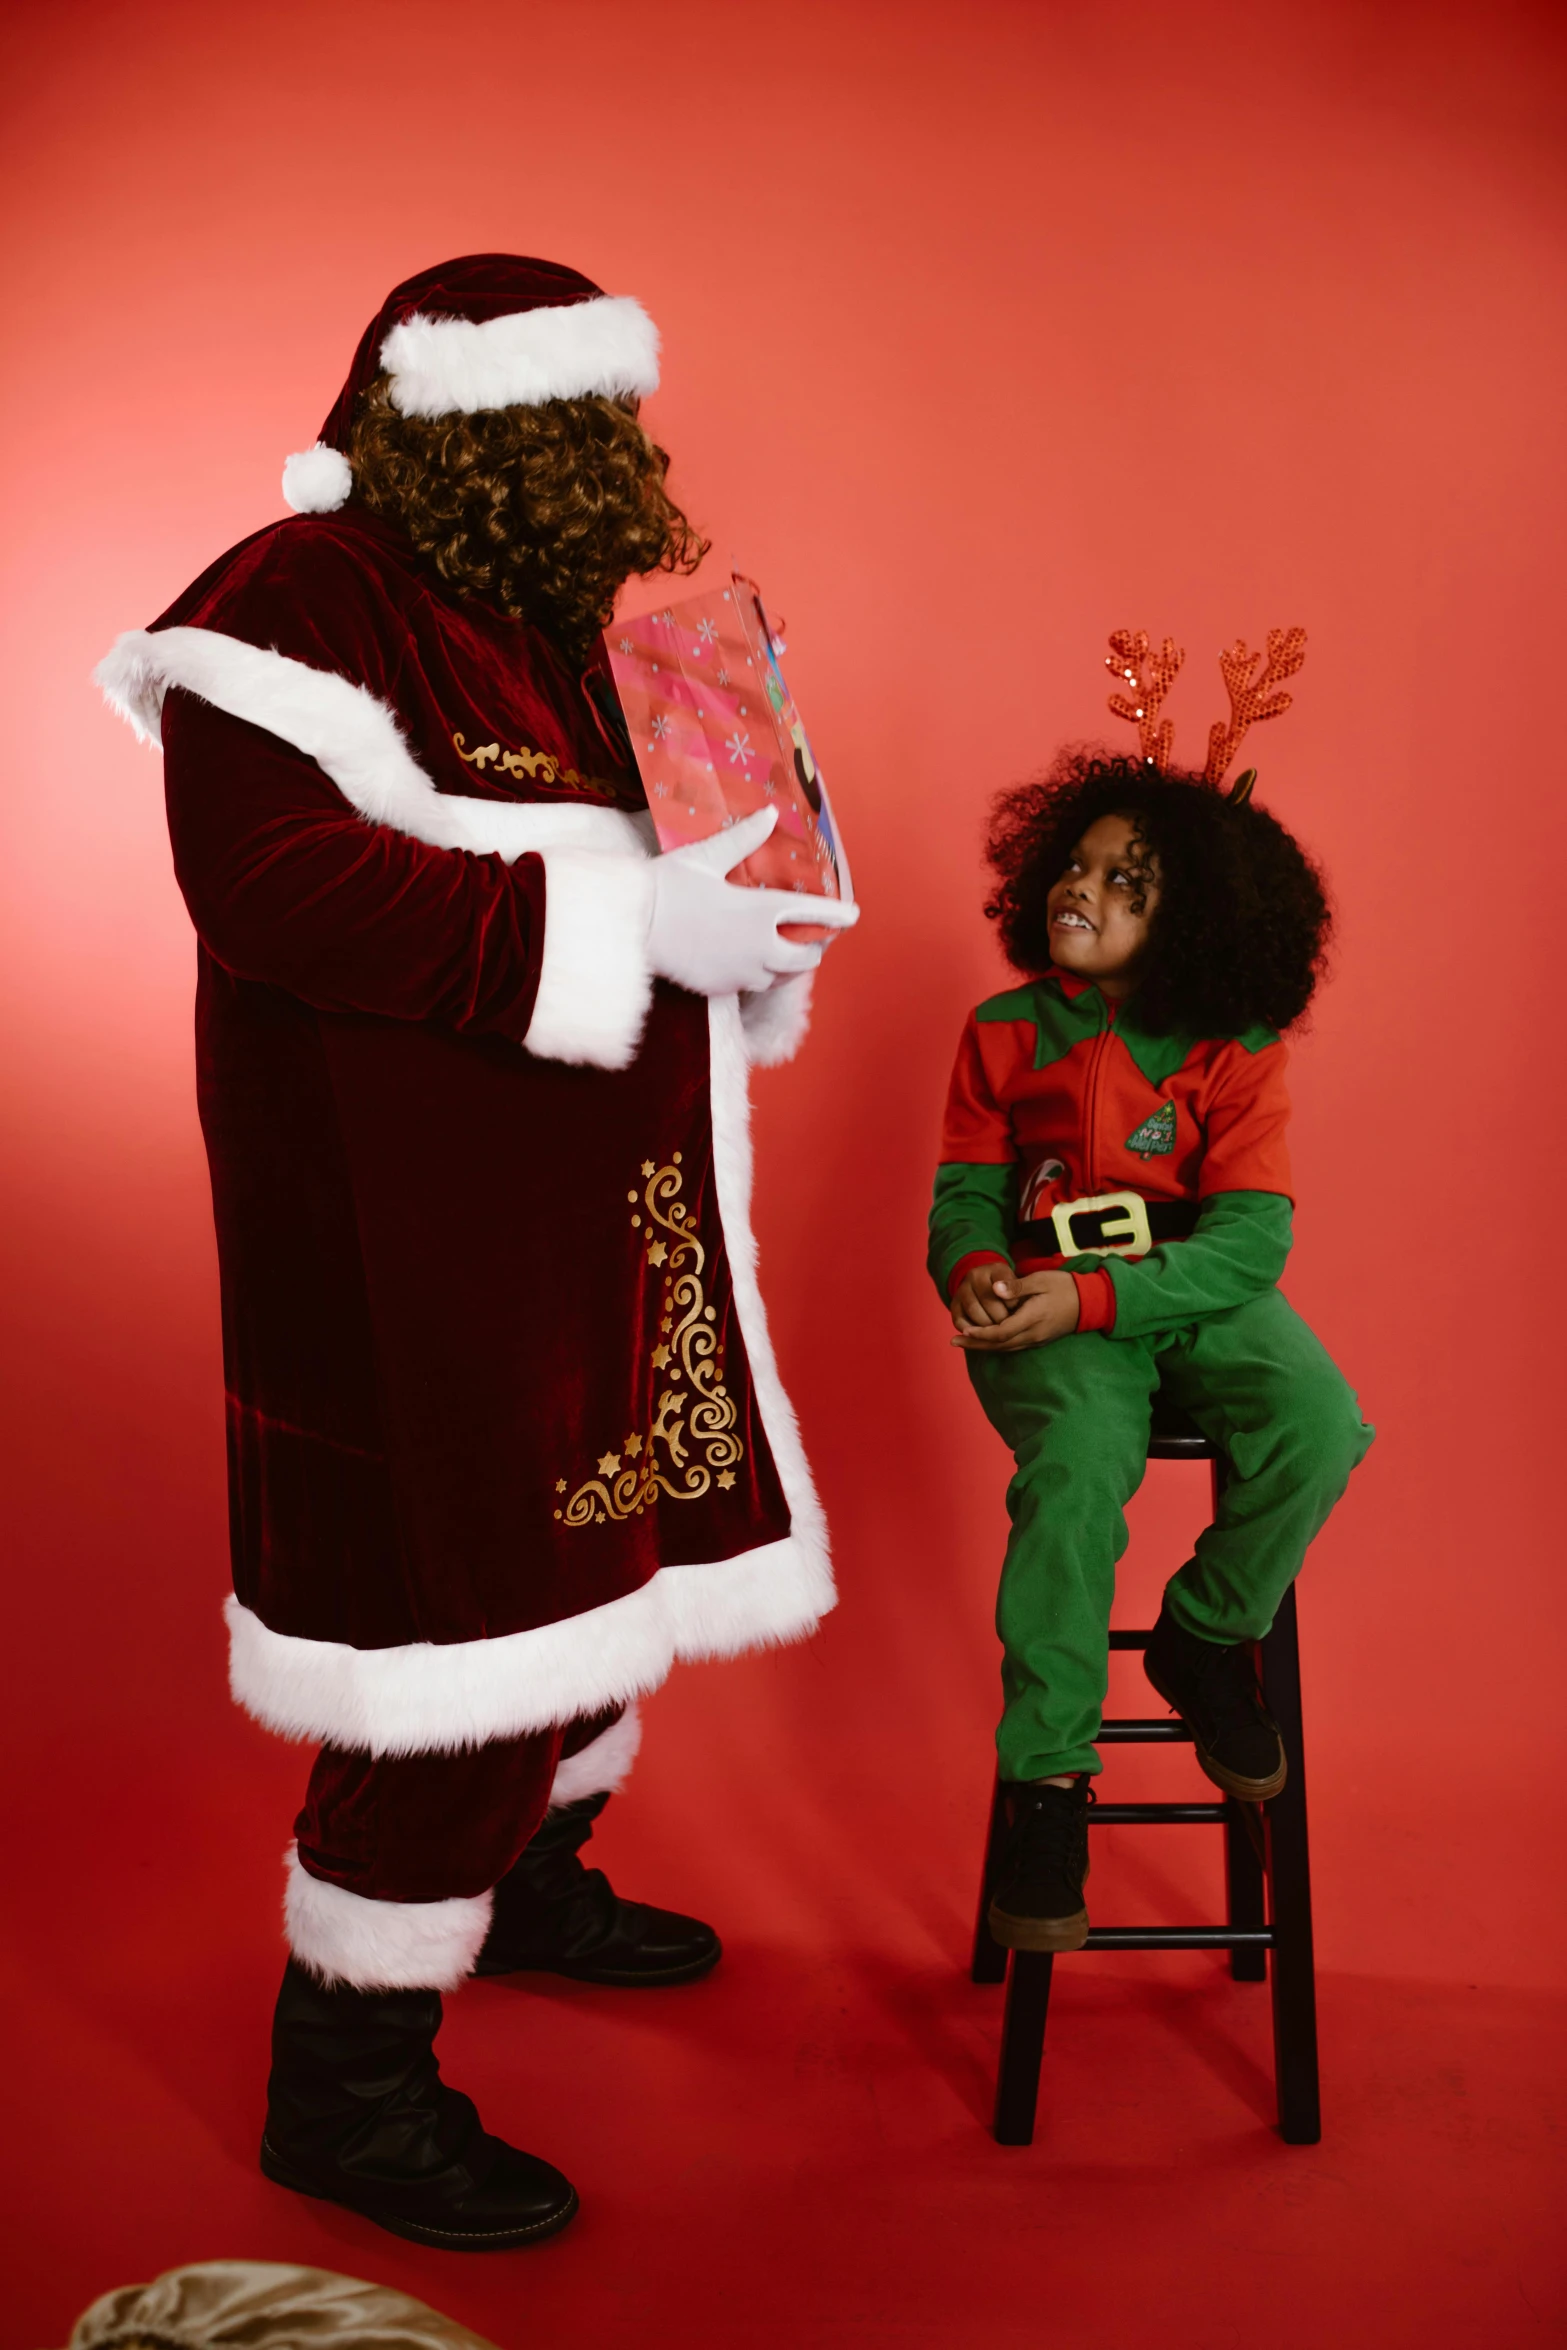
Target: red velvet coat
[{"x": 505, "y": 1434}]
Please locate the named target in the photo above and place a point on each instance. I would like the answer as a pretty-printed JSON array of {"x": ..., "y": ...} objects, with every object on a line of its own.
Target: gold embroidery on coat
[
  {"x": 537, "y": 766},
  {"x": 693, "y": 1411}
]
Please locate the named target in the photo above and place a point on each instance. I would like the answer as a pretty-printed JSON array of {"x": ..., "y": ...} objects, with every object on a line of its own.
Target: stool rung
[
  {"x": 1155, "y": 1815},
  {"x": 1130, "y": 1639},
  {"x": 1137, "y": 1730},
  {"x": 1180, "y": 1938}
]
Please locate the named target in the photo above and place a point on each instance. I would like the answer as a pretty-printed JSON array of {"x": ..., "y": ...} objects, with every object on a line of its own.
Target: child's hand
[
  {"x": 985, "y": 1295},
  {"x": 1046, "y": 1309}
]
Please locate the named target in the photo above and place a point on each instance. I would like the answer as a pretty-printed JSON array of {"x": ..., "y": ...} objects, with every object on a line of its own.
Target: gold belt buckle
[{"x": 1134, "y": 1241}]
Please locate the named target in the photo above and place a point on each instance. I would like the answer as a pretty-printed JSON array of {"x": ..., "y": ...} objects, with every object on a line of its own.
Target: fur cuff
[
  {"x": 602, "y": 1768},
  {"x": 596, "y": 983},
  {"x": 571, "y": 351},
  {"x": 381, "y": 1945},
  {"x": 775, "y": 1021}
]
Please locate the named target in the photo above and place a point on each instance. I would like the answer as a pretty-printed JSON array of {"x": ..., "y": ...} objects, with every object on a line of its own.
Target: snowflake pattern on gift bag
[{"x": 716, "y": 735}]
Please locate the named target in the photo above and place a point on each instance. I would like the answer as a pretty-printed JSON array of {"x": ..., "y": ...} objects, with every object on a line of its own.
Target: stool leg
[
  {"x": 1243, "y": 1886},
  {"x": 1022, "y": 2047},
  {"x": 989, "y": 1962},
  {"x": 1243, "y": 1863},
  {"x": 1289, "y": 1896}
]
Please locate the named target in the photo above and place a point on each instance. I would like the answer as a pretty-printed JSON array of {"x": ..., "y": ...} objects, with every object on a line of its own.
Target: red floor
[{"x": 795, "y": 2151}]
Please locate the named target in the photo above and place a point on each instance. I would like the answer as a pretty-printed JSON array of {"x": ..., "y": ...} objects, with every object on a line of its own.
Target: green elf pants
[{"x": 1075, "y": 1414}]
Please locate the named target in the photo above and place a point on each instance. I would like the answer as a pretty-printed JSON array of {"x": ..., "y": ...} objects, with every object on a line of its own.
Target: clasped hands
[{"x": 996, "y": 1311}]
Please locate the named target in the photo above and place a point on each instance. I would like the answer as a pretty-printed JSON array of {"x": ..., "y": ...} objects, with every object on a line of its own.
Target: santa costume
[{"x": 506, "y": 1437}]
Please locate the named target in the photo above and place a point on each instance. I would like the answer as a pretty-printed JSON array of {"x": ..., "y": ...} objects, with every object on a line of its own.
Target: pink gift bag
[{"x": 716, "y": 735}]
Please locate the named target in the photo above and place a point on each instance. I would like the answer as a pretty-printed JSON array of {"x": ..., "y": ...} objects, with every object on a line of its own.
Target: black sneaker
[
  {"x": 1037, "y": 1901},
  {"x": 1214, "y": 1690}
]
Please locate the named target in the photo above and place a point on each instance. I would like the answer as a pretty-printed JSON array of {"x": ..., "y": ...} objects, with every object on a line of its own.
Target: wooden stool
[{"x": 1267, "y": 1880}]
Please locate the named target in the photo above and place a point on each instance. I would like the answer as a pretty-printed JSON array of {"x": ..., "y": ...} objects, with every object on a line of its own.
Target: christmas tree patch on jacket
[{"x": 1059, "y": 1097}]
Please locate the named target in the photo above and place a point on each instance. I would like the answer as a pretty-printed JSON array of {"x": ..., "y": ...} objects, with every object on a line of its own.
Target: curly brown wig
[
  {"x": 1240, "y": 929},
  {"x": 542, "y": 512}
]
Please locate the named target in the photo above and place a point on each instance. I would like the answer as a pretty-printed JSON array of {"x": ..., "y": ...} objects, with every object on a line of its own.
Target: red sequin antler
[
  {"x": 1251, "y": 700},
  {"x": 1149, "y": 680}
]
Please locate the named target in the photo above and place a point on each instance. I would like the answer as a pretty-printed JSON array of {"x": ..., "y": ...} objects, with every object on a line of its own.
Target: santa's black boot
[
  {"x": 358, "y": 2114},
  {"x": 554, "y": 1914}
]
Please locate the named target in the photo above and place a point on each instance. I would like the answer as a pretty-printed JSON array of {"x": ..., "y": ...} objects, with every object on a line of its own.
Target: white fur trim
[
  {"x": 775, "y": 1021},
  {"x": 381, "y": 1945},
  {"x": 429, "y": 1699},
  {"x": 318, "y": 480},
  {"x": 353, "y": 738},
  {"x": 595, "y": 985},
  {"x": 732, "y": 1172},
  {"x": 603, "y": 1767},
  {"x": 449, "y": 366}
]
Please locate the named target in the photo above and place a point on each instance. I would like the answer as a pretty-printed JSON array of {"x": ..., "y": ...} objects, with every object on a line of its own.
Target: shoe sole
[
  {"x": 445, "y": 2239},
  {"x": 1228, "y": 1782},
  {"x": 1052, "y": 1934},
  {"x": 691, "y": 1972}
]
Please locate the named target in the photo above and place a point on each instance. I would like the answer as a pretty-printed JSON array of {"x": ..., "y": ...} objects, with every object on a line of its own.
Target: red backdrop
[{"x": 987, "y": 330}]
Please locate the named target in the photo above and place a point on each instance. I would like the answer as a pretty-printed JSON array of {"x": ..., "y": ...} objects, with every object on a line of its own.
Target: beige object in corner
[{"x": 263, "y": 2305}]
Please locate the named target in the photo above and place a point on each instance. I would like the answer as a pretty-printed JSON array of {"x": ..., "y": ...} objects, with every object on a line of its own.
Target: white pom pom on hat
[{"x": 318, "y": 480}]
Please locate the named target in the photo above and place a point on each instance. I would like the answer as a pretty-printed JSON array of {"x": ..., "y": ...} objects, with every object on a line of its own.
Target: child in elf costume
[{"x": 1111, "y": 1219}]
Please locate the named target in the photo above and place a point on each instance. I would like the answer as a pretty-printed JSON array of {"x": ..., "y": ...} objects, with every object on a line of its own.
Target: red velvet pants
[{"x": 427, "y": 1827}]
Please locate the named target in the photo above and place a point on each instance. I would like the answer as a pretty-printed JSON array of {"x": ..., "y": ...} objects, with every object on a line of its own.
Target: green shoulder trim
[
  {"x": 1013, "y": 1003},
  {"x": 1058, "y": 1024},
  {"x": 1156, "y": 1056}
]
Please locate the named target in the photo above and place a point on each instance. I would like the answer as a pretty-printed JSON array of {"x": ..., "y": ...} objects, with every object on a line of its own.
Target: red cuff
[
  {"x": 976, "y": 1256},
  {"x": 1095, "y": 1301}
]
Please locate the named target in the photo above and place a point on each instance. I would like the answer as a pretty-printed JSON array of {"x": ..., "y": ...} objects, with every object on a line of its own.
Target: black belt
[{"x": 1168, "y": 1219}]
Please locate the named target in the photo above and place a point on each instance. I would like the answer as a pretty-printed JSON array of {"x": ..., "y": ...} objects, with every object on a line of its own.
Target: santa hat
[{"x": 490, "y": 330}]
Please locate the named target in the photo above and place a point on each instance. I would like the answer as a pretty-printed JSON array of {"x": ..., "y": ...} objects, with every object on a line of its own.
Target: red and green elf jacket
[{"x": 1059, "y": 1097}]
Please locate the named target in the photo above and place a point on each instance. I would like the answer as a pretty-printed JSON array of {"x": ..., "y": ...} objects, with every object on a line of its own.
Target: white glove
[{"x": 717, "y": 937}]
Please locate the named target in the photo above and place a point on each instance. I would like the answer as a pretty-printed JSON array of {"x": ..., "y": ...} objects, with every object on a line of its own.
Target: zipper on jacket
[{"x": 1101, "y": 1046}]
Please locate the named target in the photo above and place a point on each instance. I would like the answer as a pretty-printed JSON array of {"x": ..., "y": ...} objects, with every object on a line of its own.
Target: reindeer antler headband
[{"x": 1150, "y": 676}]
